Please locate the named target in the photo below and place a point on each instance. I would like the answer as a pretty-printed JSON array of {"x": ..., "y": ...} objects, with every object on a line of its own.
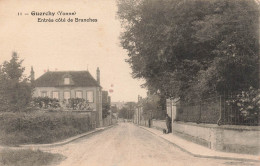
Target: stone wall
[
  {"x": 159, "y": 124},
  {"x": 238, "y": 139}
]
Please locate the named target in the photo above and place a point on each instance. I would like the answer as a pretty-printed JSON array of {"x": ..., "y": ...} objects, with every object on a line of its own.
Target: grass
[
  {"x": 41, "y": 127},
  {"x": 28, "y": 158}
]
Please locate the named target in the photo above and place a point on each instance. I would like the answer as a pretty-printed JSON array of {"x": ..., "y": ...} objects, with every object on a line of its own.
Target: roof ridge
[
  {"x": 69, "y": 71},
  {"x": 55, "y": 78}
]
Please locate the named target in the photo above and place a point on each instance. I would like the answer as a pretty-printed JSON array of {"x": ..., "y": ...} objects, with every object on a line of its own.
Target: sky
[{"x": 63, "y": 46}]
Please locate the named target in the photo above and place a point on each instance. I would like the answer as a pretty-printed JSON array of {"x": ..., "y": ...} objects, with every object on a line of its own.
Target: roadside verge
[{"x": 66, "y": 141}]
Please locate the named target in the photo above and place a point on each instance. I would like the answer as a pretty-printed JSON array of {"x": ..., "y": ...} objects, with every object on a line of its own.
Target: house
[{"x": 64, "y": 85}]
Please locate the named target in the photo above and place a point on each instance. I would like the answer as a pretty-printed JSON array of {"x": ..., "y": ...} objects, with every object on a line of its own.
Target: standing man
[
  {"x": 149, "y": 122},
  {"x": 168, "y": 124}
]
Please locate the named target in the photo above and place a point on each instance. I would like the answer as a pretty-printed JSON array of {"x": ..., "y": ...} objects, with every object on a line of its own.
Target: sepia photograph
[{"x": 130, "y": 83}]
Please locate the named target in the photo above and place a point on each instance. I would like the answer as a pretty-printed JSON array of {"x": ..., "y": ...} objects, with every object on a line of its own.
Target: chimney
[
  {"x": 32, "y": 74},
  {"x": 98, "y": 76}
]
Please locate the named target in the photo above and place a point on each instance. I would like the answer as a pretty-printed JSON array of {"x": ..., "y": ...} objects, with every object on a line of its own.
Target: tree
[
  {"x": 127, "y": 112},
  {"x": 114, "y": 109},
  {"x": 105, "y": 109},
  {"x": 130, "y": 109},
  {"x": 15, "y": 89},
  {"x": 194, "y": 48},
  {"x": 153, "y": 107},
  {"x": 122, "y": 113},
  {"x": 232, "y": 27}
]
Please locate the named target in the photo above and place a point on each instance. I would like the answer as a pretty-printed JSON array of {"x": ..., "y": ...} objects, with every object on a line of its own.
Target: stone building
[{"x": 64, "y": 85}]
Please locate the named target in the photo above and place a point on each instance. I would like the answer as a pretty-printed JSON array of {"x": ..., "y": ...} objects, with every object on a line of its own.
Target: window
[
  {"x": 78, "y": 94},
  {"x": 90, "y": 96},
  {"x": 66, "y": 95},
  {"x": 66, "y": 81},
  {"x": 44, "y": 94},
  {"x": 55, "y": 95}
]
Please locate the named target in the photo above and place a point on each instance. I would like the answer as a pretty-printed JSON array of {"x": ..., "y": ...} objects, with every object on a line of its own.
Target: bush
[
  {"x": 28, "y": 157},
  {"x": 247, "y": 103},
  {"x": 78, "y": 103},
  {"x": 45, "y": 102},
  {"x": 50, "y": 103},
  {"x": 41, "y": 127}
]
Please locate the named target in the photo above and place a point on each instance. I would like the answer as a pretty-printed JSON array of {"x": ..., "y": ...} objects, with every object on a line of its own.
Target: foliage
[
  {"x": 41, "y": 126},
  {"x": 78, "y": 104},
  {"x": 51, "y": 103},
  {"x": 152, "y": 107},
  {"x": 248, "y": 105},
  {"x": 45, "y": 102},
  {"x": 27, "y": 157},
  {"x": 114, "y": 109},
  {"x": 15, "y": 89},
  {"x": 126, "y": 113},
  {"x": 194, "y": 48},
  {"x": 105, "y": 110},
  {"x": 122, "y": 113}
]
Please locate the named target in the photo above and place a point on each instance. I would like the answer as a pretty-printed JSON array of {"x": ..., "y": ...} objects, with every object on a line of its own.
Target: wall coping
[{"x": 225, "y": 127}]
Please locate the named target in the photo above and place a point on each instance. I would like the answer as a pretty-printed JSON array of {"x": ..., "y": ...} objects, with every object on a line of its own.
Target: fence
[
  {"x": 215, "y": 110},
  {"x": 233, "y": 115},
  {"x": 206, "y": 111}
]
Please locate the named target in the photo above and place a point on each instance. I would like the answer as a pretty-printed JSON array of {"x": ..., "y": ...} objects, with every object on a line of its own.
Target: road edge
[{"x": 69, "y": 140}]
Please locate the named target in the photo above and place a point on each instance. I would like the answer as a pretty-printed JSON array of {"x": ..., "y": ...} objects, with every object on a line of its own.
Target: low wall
[
  {"x": 144, "y": 123},
  {"x": 159, "y": 124},
  {"x": 238, "y": 139}
]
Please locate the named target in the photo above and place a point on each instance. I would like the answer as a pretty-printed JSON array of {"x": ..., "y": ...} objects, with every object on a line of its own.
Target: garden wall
[
  {"x": 229, "y": 138},
  {"x": 159, "y": 124}
]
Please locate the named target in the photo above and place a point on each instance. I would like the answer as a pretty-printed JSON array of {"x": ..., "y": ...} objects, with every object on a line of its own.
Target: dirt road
[{"x": 129, "y": 145}]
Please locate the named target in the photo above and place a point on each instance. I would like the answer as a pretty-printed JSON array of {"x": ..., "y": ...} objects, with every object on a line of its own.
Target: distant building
[
  {"x": 119, "y": 105},
  {"x": 64, "y": 85}
]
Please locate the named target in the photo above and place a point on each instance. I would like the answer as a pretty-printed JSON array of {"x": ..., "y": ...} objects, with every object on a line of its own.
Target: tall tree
[
  {"x": 193, "y": 48},
  {"x": 105, "y": 110},
  {"x": 15, "y": 89},
  {"x": 153, "y": 107},
  {"x": 127, "y": 112}
]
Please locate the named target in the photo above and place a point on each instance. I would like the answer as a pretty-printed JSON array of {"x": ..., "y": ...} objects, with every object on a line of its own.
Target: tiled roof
[{"x": 56, "y": 78}]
